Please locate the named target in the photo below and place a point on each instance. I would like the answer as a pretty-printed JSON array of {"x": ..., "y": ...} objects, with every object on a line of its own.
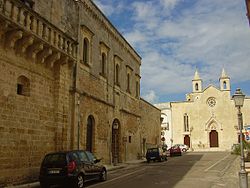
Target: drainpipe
[{"x": 78, "y": 123}]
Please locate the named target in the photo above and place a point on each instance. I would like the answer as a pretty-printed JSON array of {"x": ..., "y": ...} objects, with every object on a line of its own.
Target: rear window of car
[
  {"x": 153, "y": 150},
  {"x": 58, "y": 158}
]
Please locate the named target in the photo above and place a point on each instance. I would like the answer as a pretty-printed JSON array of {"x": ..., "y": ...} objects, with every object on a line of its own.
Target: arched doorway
[
  {"x": 187, "y": 140},
  {"x": 90, "y": 133},
  {"x": 213, "y": 138},
  {"x": 115, "y": 141}
]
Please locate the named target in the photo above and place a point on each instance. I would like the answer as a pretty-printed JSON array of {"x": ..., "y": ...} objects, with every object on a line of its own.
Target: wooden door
[
  {"x": 187, "y": 140},
  {"x": 213, "y": 136}
]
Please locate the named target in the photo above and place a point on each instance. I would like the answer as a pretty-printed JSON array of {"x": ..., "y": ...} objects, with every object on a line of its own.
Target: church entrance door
[
  {"x": 187, "y": 140},
  {"x": 213, "y": 136}
]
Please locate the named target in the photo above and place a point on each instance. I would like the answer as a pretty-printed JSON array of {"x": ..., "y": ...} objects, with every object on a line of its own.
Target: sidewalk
[{"x": 109, "y": 168}]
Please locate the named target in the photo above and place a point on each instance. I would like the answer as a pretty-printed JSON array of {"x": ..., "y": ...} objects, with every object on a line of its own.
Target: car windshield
[
  {"x": 59, "y": 158},
  {"x": 91, "y": 157}
]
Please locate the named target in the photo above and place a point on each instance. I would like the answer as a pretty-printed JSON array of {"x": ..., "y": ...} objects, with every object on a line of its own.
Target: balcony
[{"x": 30, "y": 35}]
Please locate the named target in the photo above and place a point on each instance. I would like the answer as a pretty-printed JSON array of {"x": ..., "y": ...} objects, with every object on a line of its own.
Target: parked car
[
  {"x": 183, "y": 147},
  {"x": 70, "y": 169},
  {"x": 175, "y": 151},
  {"x": 156, "y": 153}
]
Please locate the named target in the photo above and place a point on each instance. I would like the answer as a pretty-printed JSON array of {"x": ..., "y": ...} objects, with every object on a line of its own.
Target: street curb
[
  {"x": 28, "y": 185},
  {"x": 36, "y": 184},
  {"x": 108, "y": 167}
]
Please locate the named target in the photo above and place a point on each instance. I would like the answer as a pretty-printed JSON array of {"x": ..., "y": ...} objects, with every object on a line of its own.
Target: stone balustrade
[{"x": 30, "y": 29}]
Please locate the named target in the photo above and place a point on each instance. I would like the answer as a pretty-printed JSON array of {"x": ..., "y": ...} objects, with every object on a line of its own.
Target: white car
[{"x": 183, "y": 147}]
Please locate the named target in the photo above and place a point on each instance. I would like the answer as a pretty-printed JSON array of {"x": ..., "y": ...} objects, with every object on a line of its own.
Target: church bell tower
[
  {"x": 197, "y": 83},
  {"x": 224, "y": 81}
]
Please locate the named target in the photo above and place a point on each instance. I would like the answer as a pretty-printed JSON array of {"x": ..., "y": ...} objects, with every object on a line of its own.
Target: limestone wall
[
  {"x": 203, "y": 118},
  {"x": 30, "y": 125},
  {"x": 150, "y": 124},
  {"x": 46, "y": 88}
]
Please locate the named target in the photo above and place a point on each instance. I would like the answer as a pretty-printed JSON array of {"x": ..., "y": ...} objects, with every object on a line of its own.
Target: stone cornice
[
  {"x": 33, "y": 36},
  {"x": 90, "y": 7}
]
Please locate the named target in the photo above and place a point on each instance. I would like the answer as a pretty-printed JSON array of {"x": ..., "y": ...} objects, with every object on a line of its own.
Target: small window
[
  {"x": 23, "y": 86},
  {"x": 128, "y": 83},
  {"x": 85, "y": 51},
  {"x": 186, "y": 123},
  {"x": 137, "y": 89},
  {"x": 117, "y": 74},
  {"x": 130, "y": 139},
  {"x": 103, "y": 64},
  {"x": 196, "y": 87},
  {"x": 19, "y": 89},
  {"x": 224, "y": 85}
]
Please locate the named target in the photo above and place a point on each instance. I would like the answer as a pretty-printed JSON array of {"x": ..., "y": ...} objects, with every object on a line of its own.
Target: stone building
[
  {"x": 166, "y": 126},
  {"x": 207, "y": 120},
  {"x": 68, "y": 80}
]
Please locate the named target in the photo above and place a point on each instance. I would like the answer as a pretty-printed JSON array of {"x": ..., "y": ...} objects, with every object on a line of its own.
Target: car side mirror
[{"x": 97, "y": 160}]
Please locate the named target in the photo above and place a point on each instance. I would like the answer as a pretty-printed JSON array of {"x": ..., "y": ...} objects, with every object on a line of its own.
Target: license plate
[
  {"x": 54, "y": 171},
  {"x": 152, "y": 157}
]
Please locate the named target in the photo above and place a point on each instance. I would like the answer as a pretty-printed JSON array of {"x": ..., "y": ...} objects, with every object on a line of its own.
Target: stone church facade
[
  {"x": 207, "y": 120},
  {"x": 68, "y": 80}
]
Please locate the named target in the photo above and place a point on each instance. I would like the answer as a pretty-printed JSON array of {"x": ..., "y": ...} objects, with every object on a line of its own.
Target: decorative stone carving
[
  {"x": 52, "y": 59},
  {"x": 12, "y": 37},
  {"x": 33, "y": 50},
  {"x": 43, "y": 54},
  {"x": 23, "y": 44}
]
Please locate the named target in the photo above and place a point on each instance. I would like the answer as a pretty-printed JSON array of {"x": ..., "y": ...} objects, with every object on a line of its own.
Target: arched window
[
  {"x": 117, "y": 74},
  {"x": 90, "y": 133},
  {"x": 137, "y": 89},
  {"x": 196, "y": 87},
  {"x": 186, "y": 123},
  {"x": 128, "y": 82},
  {"x": 103, "y": 64},
  {"x": 224, "y": 85},
  {"x": 23, "y": 86},
  {"x": 85, "y": 50}
]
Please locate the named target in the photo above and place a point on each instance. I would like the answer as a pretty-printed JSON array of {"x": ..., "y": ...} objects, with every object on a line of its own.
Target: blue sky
[{"x": 174, "y": 37}]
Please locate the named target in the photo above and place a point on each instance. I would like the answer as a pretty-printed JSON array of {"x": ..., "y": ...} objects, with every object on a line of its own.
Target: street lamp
[
  {"x": 248, "y": 10},
  {"x": 238, "y": 98}
]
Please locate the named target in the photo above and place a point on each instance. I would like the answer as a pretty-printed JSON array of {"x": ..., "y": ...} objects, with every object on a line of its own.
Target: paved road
[
  {"x": 192, "y": 170},
  {"x": 201, "y": 170}
]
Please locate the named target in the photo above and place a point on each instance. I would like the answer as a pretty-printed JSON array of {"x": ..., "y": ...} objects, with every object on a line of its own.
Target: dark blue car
[
  {"x": 156, "y": 154},
  {"x": 70, "y": 169}
]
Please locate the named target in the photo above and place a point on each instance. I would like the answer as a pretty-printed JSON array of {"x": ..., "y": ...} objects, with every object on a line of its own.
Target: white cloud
[
  {"x": 174, "y": 37},
  {"x": 108, "y": 7},
  {"x": 151, "y": 97}
]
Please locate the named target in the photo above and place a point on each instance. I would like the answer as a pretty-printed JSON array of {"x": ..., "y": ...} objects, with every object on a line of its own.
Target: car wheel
[
  {"x": 184, "y": 149},
  {"x": 79, "y": 181},
  {"x": 103, "y": 175}
]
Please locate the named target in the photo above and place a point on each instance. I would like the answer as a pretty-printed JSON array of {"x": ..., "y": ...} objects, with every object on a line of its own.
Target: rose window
[{"x": 211, "y": 102}]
